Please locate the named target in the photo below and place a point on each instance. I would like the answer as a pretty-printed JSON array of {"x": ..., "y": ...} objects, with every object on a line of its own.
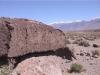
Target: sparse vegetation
[
  {"x": 4, "y": 70},
  {"x": 21, "y": 19},
  {"x": 81, "y": 42},
  {"x": 87, "y": 35},
  {"x": 68, "y": 41},
  {"x": 77, "y": 68},
  {"x": 84, "y": 43},
  {"x": 90, "y": 37}
]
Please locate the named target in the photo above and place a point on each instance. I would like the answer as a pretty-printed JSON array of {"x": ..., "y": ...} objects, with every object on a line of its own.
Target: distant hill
[{"x": 81, "y": 25}]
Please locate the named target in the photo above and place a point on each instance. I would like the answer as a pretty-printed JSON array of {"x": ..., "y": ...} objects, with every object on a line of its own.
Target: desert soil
[{"x": 88, "y": 57}]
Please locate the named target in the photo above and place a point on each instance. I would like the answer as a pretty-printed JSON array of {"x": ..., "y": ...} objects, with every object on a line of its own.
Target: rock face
[
  {"x": 45, "y": 65},
  {"x": 4, "y": 39},
  {"x": 23, "y": 37}
]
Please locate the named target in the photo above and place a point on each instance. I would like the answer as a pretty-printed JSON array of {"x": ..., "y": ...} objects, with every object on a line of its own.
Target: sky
[{"x": 48, "y": 11}]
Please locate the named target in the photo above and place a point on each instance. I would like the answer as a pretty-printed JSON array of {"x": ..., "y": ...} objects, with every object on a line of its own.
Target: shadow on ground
[{"x": 64, "y": 53}]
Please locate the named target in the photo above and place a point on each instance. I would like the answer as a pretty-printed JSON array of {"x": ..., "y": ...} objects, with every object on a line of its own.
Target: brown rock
[
  {"x": 30, "y": 37},
  {"x": 4, "y": 39},
  {"x": 23, "y": 37}
]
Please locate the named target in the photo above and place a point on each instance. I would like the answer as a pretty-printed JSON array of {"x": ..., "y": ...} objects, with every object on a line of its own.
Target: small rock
[
  {"x": 95, "y": 45},
  {"x": 87, "y": 54},
  {"x": 95, "y": 56},
  {"x": 81, "y": 54}
]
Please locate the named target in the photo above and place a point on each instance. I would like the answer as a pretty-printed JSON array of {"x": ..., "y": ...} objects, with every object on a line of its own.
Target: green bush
[{"x": 77, "y": 68}]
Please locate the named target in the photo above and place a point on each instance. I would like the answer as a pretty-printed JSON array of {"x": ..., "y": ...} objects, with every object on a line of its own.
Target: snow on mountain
[
  {"x": 77, "y": 25},
  {"x": 65, "y": 21}
]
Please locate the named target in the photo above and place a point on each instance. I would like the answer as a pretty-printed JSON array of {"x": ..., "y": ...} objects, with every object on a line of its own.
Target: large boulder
[
  {"x": 23, "y": 36},
  {"x": 45, "y": 65},
  {"x": 28, "y": 37}
]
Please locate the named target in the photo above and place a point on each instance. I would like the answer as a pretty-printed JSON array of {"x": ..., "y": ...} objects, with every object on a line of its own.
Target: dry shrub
[
  {"x": 77, "y": 68},
  {"x": 5, "y": 70},
  {"x": 21, "y": 19},
  {"x": 68, "y": 41},
  {"x": 90, "y": 38},
  {"x": 81, "y": 42}
]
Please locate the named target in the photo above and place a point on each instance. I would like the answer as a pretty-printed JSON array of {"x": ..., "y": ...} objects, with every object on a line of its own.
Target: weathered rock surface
[
  {"x": 4, "y": 39},
  {"x": 20, "y": 37},
  {"x": 30, "y": 37},
  {"x": 45, "y": 65}
]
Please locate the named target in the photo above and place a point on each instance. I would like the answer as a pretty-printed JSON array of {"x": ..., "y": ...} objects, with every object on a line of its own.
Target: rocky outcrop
[
  {"x": 23, "y": 36},
  {"x": 45, "y": 65}
]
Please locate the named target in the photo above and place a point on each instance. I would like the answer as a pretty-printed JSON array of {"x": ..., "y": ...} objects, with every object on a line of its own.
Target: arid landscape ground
[
  {"x": 49, "y": 37},
  {"x": 87, "y": 54},
  {"x": 85, "y": 46}
]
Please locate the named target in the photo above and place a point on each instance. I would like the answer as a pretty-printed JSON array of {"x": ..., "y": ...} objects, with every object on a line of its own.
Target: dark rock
[{"x": 95, "y": 45}]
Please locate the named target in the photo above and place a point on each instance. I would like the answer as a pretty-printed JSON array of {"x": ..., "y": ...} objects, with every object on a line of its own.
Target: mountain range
[{"x": 77, "y": 25}]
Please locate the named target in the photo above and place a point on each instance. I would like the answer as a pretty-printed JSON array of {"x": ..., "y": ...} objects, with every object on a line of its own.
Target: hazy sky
[{"x": 49, "y": 11}]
